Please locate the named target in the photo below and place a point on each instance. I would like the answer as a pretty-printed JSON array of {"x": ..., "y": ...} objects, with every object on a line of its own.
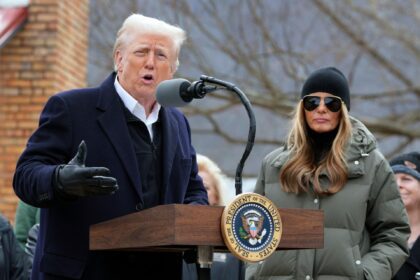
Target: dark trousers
[{"x": 130, "y": 265}]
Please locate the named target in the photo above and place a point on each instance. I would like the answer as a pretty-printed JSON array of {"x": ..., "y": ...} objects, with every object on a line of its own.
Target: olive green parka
[{"x": 365, "y": 223}]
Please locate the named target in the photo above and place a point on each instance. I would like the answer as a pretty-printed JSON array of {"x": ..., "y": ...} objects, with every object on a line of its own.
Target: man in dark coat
[{"x": 105, "y": 152}]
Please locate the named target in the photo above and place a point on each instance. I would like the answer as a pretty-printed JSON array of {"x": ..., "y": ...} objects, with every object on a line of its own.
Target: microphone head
[{"x": 169, "y": 92}]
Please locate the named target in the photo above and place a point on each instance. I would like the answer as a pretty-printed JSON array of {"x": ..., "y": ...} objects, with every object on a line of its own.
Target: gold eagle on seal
[{"x": 253, "y": 224}]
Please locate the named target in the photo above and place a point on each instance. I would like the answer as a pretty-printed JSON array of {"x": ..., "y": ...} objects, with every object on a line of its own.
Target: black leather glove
[{"x": 76, "y": 180}]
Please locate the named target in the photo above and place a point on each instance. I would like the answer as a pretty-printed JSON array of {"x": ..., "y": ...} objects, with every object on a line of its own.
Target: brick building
[{"x": 47, "y": 55}]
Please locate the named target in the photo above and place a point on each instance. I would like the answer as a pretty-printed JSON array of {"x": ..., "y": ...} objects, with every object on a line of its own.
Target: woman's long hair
[{"x": 301, "y": 169}]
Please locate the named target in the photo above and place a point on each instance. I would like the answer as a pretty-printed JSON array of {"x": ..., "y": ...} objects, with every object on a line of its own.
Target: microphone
[{"x": 180, "y": 92}]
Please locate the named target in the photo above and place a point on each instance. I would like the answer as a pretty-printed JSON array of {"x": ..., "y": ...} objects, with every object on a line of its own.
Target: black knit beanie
[
  {"x": 329, "y": 80},
  {"x": 408, "y": 163}
]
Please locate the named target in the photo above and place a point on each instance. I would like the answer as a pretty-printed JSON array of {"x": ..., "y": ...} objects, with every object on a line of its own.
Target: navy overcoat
[{"x": 96, "y": 116}]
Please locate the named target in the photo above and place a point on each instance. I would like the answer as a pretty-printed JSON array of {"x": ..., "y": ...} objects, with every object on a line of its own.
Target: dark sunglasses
[{"x": 333, "y": 103}]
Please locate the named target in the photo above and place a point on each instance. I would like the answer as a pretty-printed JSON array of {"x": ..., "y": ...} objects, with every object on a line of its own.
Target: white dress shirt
[{"x": 137, "y": 109}]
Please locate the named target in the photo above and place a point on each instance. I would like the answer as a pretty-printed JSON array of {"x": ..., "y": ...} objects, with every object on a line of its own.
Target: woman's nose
[{"x": 321, "y": 107}]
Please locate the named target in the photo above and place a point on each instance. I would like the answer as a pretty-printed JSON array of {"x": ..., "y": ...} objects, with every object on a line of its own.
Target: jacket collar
[
  {"x": 112, "y": 121},
  {"x": 170, "y": 136}
]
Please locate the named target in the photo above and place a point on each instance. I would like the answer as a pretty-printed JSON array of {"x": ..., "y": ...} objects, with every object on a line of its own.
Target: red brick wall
[{"x": 47, "y": 56}]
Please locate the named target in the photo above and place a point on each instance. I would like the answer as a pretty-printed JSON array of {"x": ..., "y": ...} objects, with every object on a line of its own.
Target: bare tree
[{"x": 268, "y": 48}]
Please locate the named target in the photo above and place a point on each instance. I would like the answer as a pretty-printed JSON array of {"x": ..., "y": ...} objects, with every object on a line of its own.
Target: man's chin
[{"x": 146, "y": 91}]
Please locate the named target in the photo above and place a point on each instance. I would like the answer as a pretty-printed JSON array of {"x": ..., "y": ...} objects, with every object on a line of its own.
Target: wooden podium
[{"x": 179, "y": 227}]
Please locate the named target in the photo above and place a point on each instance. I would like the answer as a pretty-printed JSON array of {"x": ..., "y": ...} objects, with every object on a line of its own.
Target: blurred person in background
[
  {"x": 213, "y": 180},
  {"x": 225, "y": 266},
  {"x": 407, "y": 173},
  {"x": 13, "y": 262},
  {"x": 26, "y": 217},
  {"x": 26, "y": 229}
]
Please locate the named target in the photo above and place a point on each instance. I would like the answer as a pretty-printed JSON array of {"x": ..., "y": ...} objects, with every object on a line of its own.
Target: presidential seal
[{"x": 251, "y": 227}]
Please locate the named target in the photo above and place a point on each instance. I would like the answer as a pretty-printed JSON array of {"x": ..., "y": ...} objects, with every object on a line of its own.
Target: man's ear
[
  {"x": 117, "y": 59},
  {"x": 174, "y": 67}
]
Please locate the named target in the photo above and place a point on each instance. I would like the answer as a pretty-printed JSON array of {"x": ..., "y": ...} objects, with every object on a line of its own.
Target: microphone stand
[
  {"x": 198, "y": 90},
  {"x": 252, "y": 123}
]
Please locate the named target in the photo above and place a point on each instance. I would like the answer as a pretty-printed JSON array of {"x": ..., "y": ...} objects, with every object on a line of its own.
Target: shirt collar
[{"x": 135, "y": 107}]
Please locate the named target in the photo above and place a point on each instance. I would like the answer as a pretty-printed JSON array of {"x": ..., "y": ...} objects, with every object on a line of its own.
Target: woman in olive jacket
[{"x": 331, "y": 163}]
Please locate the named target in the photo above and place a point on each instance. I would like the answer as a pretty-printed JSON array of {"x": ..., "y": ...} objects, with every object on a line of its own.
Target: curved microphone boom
[{"x": 180, "y": 92}]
